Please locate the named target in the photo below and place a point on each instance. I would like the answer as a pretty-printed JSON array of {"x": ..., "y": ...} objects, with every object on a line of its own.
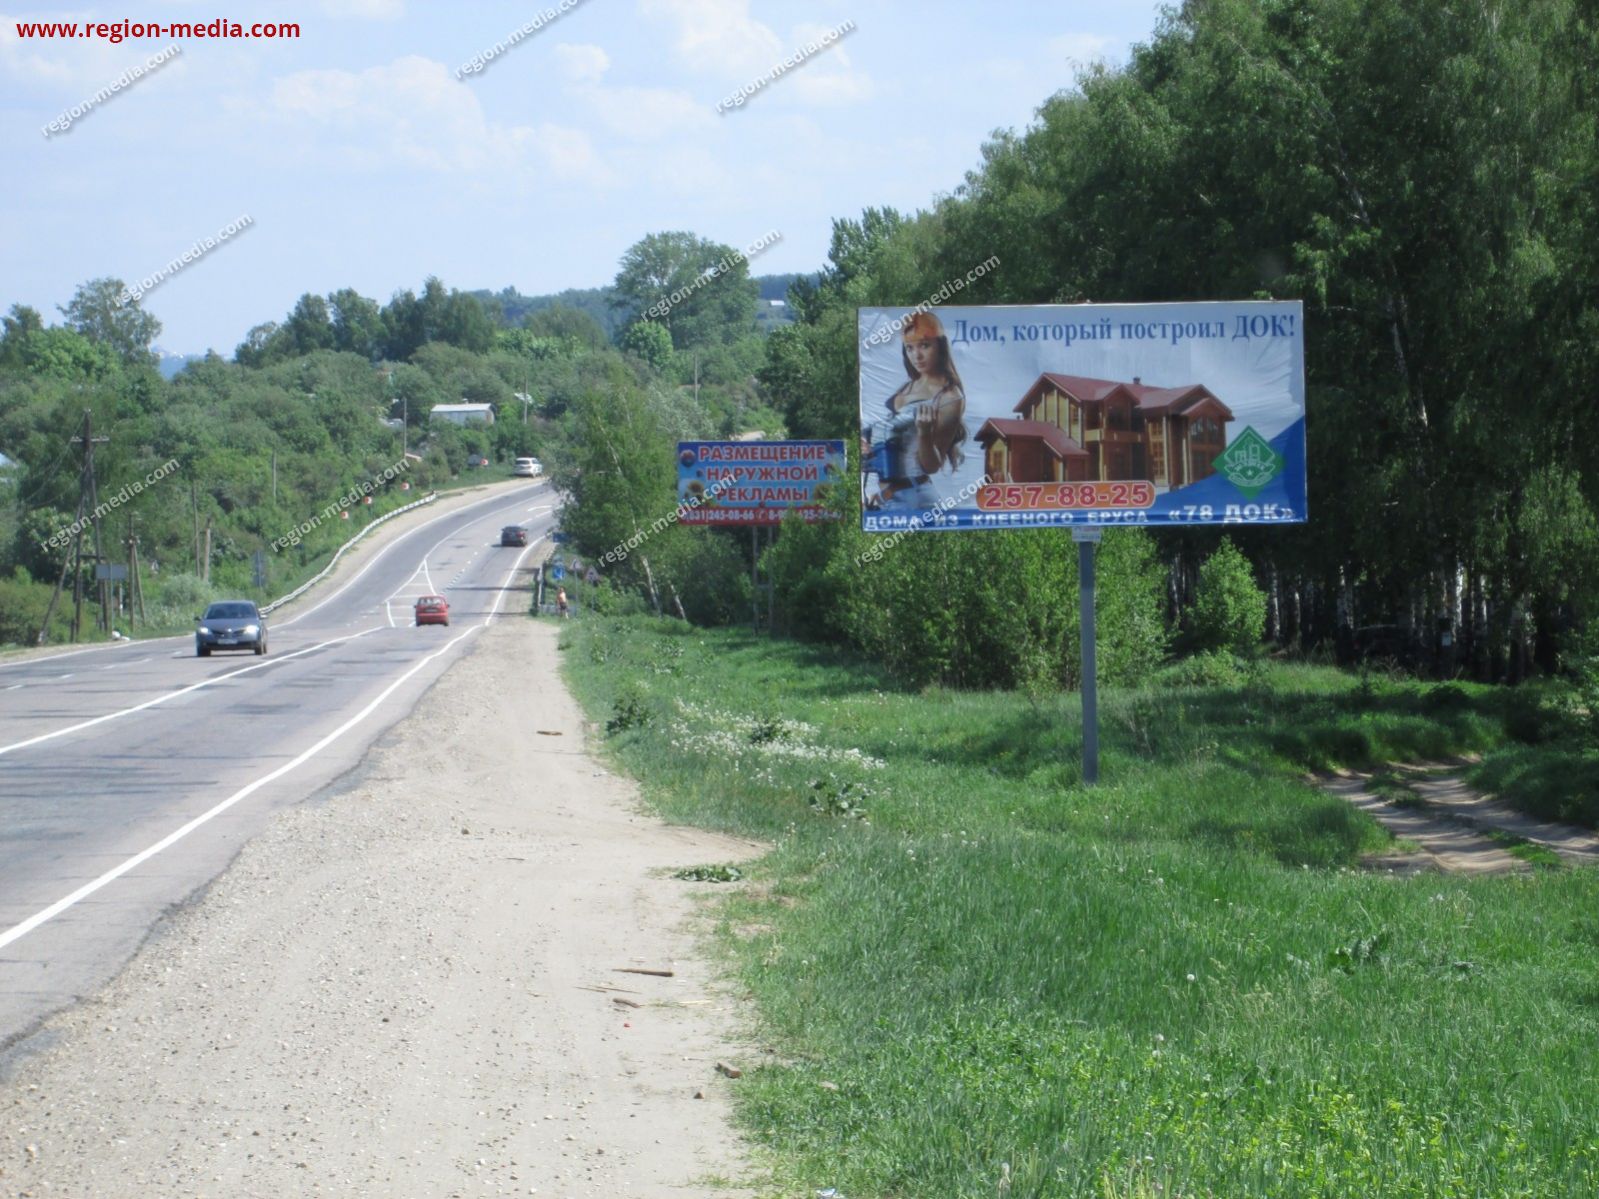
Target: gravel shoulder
[{"x": 411, "y": 986}]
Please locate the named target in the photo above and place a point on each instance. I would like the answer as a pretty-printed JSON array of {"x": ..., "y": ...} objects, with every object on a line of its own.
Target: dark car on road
[
  {"x": 230, "y": 624},
  {"x": 513, "y": 535}
]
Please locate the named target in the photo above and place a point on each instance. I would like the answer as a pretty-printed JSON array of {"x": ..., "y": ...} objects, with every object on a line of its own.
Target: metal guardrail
[{"x": 339, "y": 553}]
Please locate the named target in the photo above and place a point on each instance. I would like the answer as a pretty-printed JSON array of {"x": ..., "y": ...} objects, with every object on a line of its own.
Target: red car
[{"x": 432, "y": 609}]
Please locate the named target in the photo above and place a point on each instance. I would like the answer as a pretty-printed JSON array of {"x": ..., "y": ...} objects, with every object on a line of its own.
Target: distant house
[
  {"x": 1072, "y": 429},
  {"x": 9, "y": 470},
  {"x": 463, "y": 414}
]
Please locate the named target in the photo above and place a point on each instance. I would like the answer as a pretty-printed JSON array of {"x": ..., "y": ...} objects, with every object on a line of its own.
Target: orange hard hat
[{"x": 923, "y": 324}]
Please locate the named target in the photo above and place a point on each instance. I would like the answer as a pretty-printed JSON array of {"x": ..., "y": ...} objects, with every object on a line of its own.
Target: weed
[
  {"x": 831, "y": 797},
  {"x": 1363, "y": 951},
  {"x": 767, "y": 729},
  {"x": 709, "y": 874},
  {"x": 630, "y": 711}
]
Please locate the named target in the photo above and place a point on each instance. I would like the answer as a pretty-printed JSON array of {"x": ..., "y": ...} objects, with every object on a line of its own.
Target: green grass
[
  {"x": 1175, "y": 983},
  {"x": 1530, "y": 852},
  {"x": 1552, "y": 782}
]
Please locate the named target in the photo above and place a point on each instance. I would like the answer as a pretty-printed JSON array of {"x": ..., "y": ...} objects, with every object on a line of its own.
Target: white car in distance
[{"x": 527, "y": 468}]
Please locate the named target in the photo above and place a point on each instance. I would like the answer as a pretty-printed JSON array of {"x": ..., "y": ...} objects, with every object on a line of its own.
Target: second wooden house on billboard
[{"x": 1072, "y": 429}]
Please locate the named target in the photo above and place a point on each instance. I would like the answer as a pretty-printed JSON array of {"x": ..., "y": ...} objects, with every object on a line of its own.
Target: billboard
[
  {"x": 1082, "y": 414},
  {"x": 758, "y": 482}
]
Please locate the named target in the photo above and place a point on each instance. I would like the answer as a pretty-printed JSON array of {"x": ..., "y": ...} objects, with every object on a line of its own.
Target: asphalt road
[{"x": 131, "y": 775}]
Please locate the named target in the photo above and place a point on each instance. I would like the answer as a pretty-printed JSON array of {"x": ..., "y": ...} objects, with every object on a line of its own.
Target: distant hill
[
  {"x": 514, "y": 307},
  {"x": 775, "y": 287},
  {"x": 169, "y": 364}
]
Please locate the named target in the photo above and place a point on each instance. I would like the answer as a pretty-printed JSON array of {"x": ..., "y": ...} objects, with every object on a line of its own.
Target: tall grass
[{"x": 1177, "y": 983}]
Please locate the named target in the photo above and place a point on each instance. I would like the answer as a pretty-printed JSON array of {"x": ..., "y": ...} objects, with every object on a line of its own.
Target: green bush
[
  {"x": 710, "y": 570},
  {"x": 1537, "y": 715},
  {"x": 1002, "y": 611},
  {"x": 176, "y": 599},
  {"x": 22, "y": 607},
  {"x": 1230, "y": 610},
  {"x": 1210, "y": 668}
]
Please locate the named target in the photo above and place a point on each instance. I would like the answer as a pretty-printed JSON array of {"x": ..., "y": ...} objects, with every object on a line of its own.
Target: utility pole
[
  {"x": 88, "y": 496},
  {"x": 135, "y": 588},
  {"x": 194, "y": 512},
  {"x": 89, "y": 441},
  {"x": 61, "y": 582}
]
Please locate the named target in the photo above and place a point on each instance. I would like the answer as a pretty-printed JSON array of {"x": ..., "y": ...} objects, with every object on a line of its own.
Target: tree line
[
  {"x": 1423, "y": 176},
  {"x": 323, "y": 401}
]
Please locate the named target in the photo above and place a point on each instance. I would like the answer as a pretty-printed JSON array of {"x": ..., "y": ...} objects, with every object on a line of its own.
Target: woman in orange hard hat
[{"x": 922, "y": 428}]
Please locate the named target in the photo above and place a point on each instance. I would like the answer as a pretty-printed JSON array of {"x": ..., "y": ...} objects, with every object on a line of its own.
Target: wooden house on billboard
[{"x": 1070, "y": 429}]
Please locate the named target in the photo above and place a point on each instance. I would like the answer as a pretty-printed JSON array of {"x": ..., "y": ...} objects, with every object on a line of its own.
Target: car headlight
[
  {"x": 250, "y": 630},
  {"x": 203, "y": 629}
]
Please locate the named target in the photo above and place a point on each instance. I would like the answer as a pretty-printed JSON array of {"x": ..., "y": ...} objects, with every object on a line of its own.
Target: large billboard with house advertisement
[{"x": 1082, "y": 415}]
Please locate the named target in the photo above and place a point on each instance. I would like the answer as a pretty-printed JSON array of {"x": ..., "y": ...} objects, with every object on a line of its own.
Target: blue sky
[{"x": 362, "y": 160}]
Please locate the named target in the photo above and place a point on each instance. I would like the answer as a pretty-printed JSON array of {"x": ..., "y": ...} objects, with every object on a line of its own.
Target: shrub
[
  {"x": 22, "y": 607},
  {"x": 1536, "y": 716},
  {"x": 629, "y": 711},
  {"x": 1211, "y": 668},
  {"x": 1230, "y": 610}
]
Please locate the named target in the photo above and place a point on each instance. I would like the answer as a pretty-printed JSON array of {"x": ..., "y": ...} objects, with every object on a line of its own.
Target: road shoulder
[{"x": 419, "y": 985}]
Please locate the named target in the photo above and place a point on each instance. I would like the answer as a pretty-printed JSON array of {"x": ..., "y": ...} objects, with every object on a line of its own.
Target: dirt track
[{"x": 410, "y": 988}]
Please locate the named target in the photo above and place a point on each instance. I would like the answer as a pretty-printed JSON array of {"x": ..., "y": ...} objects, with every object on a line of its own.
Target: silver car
[{"x": 230, "y": 624}]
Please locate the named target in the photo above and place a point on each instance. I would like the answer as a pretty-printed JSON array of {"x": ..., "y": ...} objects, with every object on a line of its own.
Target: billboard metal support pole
[{"x": 1086, "y": 539}]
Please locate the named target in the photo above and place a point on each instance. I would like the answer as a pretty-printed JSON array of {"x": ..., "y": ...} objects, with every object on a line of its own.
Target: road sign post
[{"x": 1086, "y": 540}]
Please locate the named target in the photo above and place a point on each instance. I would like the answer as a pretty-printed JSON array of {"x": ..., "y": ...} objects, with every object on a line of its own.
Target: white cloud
[
  {"x": 582, "y": 63},
  {"x": 833, "y": 87},
  {"x": 81, "y": 63},
  {"x": 371, "y": 10},
  {"x": 828, "y": 77},
  {"x": 718, "y": 36},
  {"x": 1079, "y": 48},
  {"x": 413, "y": 112},
  {"x": 647, "y": 113}
]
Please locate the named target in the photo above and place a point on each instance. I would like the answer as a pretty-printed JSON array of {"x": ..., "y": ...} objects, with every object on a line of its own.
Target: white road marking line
[
  {"x": 116, "y": 872},
  {"x": 63, "y": 676},
  {"x": 100, "y": 649},
  {"x": 161, "y": 699},
  {"x": 16, "y": 687},
  {"x": 378, "y": 556},
  {"x": 93, "y": 649},
  {"x": 509, "y": 576}
]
